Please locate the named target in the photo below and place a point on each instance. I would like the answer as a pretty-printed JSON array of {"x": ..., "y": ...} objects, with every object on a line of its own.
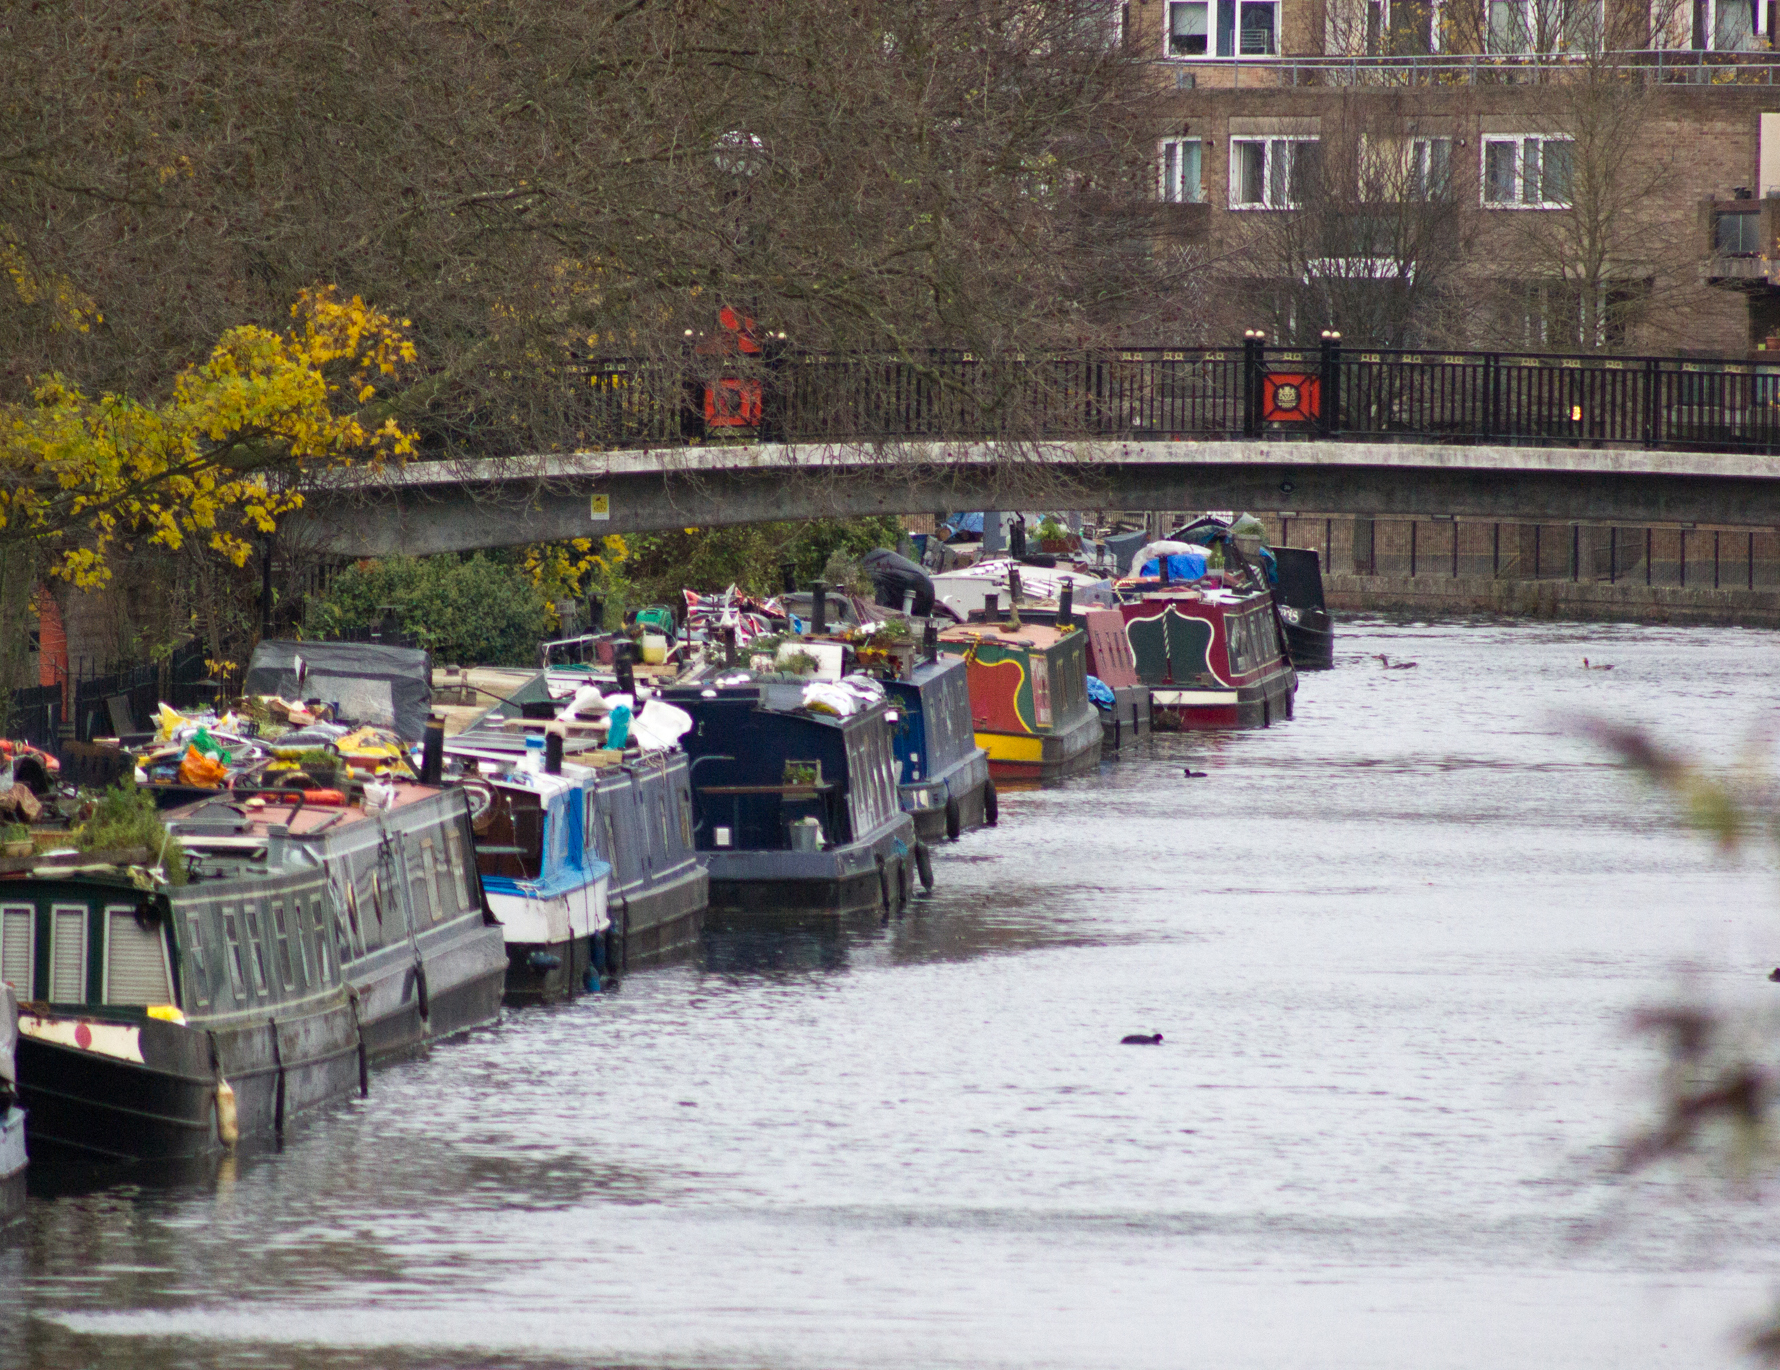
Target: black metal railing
[{"x": 1250, "y": 391}]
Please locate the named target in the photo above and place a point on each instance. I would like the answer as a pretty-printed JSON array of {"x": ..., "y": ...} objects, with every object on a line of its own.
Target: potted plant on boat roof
[{"x": 1053, "y": 537}]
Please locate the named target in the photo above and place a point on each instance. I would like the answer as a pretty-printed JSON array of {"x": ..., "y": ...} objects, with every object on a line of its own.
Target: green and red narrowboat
[
  {"x": 1029, "y": 698},
  {"x": 1212, "y": 658}
]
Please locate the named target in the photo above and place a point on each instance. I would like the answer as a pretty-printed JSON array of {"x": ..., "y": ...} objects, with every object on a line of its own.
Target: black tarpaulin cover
[
  {"x": 370, "y": 682},
  {"x": 893, "y": 577}
]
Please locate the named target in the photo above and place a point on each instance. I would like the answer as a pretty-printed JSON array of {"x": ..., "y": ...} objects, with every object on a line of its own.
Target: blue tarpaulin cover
[
  {"x": 1100, "y": 692},
  {"x": 965, "y": 523},
  {"x": 1181, "y": 566}
]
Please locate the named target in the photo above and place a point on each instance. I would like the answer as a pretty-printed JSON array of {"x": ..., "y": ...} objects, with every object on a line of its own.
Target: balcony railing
[{"x": 1667, "y": 66}]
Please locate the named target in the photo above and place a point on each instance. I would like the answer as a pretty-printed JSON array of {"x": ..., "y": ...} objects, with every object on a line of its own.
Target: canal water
[{"x": 1392, "y": 947}]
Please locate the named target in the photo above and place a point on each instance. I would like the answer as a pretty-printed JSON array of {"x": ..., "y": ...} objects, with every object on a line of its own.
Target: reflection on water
[{"x": 1391, "y": 946}]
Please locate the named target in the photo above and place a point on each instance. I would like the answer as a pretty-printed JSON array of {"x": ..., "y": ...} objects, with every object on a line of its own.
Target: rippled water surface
[{"x": 1391, "y": 946}]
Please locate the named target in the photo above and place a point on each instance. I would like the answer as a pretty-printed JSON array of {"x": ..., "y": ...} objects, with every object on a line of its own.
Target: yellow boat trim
[{"x": 1007, "y": 747}]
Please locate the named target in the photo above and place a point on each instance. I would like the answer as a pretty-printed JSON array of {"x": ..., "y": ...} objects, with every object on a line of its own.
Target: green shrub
[{"x": 477, "y": 610}]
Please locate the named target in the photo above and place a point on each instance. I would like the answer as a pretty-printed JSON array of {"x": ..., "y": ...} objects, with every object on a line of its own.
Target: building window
[
  {"x": 1240, "y": 28},
  {"x": 1527, "y": 173},
  {"x": 1430, "y": 168},
  {"x": 1729, "y": 26},
  {"x": 1183, "y": 162},
  {"x": 1737, "y": 234},
  {"x": 1272, "y": 173},
  {"x": 1526, "y": 26}
]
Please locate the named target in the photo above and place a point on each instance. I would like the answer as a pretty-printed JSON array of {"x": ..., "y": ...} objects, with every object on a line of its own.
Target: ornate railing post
[
  {"x": 1254, "y": 366},
  {"x": 1653, "y": 404},
  {"x": 1330, "y": 412}
]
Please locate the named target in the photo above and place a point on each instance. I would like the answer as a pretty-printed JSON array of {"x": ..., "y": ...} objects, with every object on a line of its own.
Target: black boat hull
[
  {"x": 1311, "y": 640},
  {"x": 101, "y": 1107},
  {"x": 561, "y": 975},
  {"x": 657, "y": 921}
]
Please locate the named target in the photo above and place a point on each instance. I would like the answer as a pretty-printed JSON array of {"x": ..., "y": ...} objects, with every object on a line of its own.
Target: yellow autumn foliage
[
  {"x": 567, "y": 570},
  {"x": 228, "y": 448}
]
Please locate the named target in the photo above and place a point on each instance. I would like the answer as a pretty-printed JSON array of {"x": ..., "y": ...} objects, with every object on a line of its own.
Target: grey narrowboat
[
  {"x": 167, "y": 1022},
  {"x": 795, "y": 807}
]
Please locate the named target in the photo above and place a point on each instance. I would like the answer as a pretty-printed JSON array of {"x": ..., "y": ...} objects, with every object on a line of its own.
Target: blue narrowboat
[
  {"x": 794, "y": 795},
  {"x": 943, "y": 775},
  {"x": 637, "y": 821}
]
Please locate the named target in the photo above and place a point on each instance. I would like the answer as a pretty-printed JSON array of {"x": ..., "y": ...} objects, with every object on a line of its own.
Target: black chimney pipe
[
  {"x": 818, "y": 607},
  {"x": 930, "y": 640},
  {"x": 729, "y": 644},
  {"x": 991, "y": 607},
  {"x": 432, "y": 752},
  {"x": 553, "y": 753},
  {"x": 621, "y": 668},
  {"x": 1066, "y": 604}
]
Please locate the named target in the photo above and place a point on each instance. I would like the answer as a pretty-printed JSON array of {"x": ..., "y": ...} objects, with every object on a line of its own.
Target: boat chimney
[
  {"x": 1013, "y": 587},
  {"x": 729, "y": 645},
  {"x": 908, "y": 602},
  {"x": 818, "y": 607},
  {"x": 553, "y": 752},
  {"x": 991, "y": 607},
  {"x": 930, "y": 640},
  {"x": 432, "y": 751},
  {"x": 1066, "y": 604},
  {"x": 277, "y": 843},
  {"x": 621, "y": 668},
  {"x": 1162, "y": 567}
]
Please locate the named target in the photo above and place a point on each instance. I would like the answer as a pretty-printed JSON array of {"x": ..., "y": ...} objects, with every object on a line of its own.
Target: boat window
[
  {"x": 198, "y": 974},
  {"x": 686, "y": 818},
  {"x": 68, "y": 954},
  {"x": 232, "y": 936},
  {"x": 136, "y": 970},
  {"x": 300, "y": 930},
  {"x": 18, "y": 946},
  {"x": 256, "y": 959},
  {"x": 417, "y": 897},
  {"x": 429, "y": 865},
  {"x": 286, "y": 972},
  {"x": 465, "y": 877},
  {"x": 318, "y": 912}
]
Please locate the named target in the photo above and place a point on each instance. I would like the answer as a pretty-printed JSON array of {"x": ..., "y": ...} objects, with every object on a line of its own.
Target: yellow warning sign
[{"x": 602, "y": 508}]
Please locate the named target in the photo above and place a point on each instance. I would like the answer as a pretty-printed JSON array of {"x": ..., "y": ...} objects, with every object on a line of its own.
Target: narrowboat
[
  {"x": 942, "y": 774},
  {"x": 1310, "y": 632},
  {"x": 1124, "y": 715},
  {"x": 12, "y": 1117},
  {"x": 1028, "y": 695},
  {"x": 165, "y": 1024},
  {"x": 794, "y": 794},
  {"x": 310, "y": 943},
  {"x": 1212, "y": 657},
  {"x": 635, "y": 827}
]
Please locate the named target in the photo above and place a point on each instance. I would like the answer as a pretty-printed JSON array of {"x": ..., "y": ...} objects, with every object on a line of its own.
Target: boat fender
[
  {"x": 991, "y": 805},
  {"x": 228, "y": 1121},
  {"x": 420, "y": 991},
  {"x": 954, "y": 819},
  {"x": 884, "y": 886},
  {"x": 924, "y": 866},
  {"x": 543, "y": 960},
  {"x": 591, "y": 983},
  {"x": 902, "y": 883}
]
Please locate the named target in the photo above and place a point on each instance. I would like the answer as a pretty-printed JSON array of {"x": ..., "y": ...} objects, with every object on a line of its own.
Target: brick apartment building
[{"x": 1554, "y": 174}]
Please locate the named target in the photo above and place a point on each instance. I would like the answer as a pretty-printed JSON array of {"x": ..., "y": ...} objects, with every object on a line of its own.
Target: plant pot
[{"x": 24, "y": 848}]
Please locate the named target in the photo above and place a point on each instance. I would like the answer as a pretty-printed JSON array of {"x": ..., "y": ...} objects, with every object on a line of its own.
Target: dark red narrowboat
[{"x": 1212, "y": 658}]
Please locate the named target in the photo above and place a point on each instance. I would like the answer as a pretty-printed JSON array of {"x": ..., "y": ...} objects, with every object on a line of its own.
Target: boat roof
[
  {"x": 1039, "y": 636},
  {"x": 248, "y": 820}
]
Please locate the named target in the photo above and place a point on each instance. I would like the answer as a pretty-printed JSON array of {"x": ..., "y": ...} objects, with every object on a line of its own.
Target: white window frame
[
  {"x": 1520, "y": 142},
  {"x": 1173, "y": 186},
  {"x": 1211, "y": 53},
  {"x": 1273, "y": 145}
]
